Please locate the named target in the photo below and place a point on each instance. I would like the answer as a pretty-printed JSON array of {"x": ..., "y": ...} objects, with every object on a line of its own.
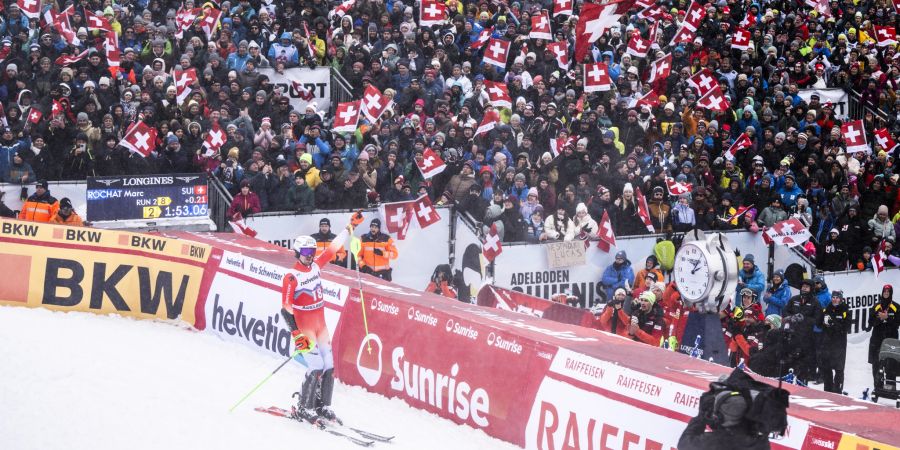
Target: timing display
[{"x": 147, "y": 197}]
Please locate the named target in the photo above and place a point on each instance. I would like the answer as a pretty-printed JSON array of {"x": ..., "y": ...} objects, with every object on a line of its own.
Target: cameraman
[
  {"x": 614, "y": 319},
  {"x": 729, "y": 429},
  {"x": 440, "y": 282},
  {"x": 646, "y": 320}
]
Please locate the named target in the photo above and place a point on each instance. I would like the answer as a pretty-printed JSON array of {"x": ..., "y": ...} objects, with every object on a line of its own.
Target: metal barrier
[
  {"x": 857, "y": 108},
  {"x": 219, "y": 202},
  {"x": 341, "y": 91}
]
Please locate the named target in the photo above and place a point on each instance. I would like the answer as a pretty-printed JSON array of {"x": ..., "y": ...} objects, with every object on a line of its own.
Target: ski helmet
[{"x": 304, "y": 246}]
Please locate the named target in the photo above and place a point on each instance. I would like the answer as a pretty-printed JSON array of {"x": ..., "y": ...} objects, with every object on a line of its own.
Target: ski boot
[
  {"x": 305, "y": 410},
  {"x": 323, "y": 399}
]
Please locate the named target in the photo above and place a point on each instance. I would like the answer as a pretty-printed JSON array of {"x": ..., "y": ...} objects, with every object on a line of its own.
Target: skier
[
  {"x": 835, "y": 323},
  {"x": 303, "y": 310}
]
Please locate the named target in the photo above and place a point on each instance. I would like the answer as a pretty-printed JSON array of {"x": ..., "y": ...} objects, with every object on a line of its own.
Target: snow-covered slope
[{"x": 82, "y": 381}]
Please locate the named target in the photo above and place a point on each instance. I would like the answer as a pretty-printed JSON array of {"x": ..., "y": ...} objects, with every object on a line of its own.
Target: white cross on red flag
[
  {"x": 30, "y": 8},
  {"x": 374, "y": 103},
  {"x": 540, "y": 26},
  {"x": 695, "y": 14},
  {"x": 426, "y": 215},
  {"x": 885, "y": 35},
  {"x": 897, "y": 6},
  {"x": 397, "y": 216},
  {"x": 594, "y": 20},
  {"x": 237, "y": 224},
  {"x": 562, "y": 7},
  {"x": 184, "y": 18},
  {"x": 496, "y": 52},
  {"x": 596, "y": 77},
  {"x": 344, "y": 7},
  {"x": 651, "y": 13},
  {"x": 684, "y": 35},
  {"x": 432, "y": 12},
  {"x": 643, "y": 210},
  {"x": 790, "y": 232},
  {"x": 210, "y": 22},
  {"x": 65, "y": 60},
  {"x": 714, "y": 100},
  {"x": 884, "y": 139},
  {"x": 431, "y": 164},
  {"x": 214, "y": 140},
  {"x": 34, "y": 116},
  {"x": 491, "y": 119},
  {"x": 97, "y": 22},
  {"x": 878, "y": 258},
  {"x": 491, "y": 246},
  {"x": 346, "y": 117},
  {"x": 498, "y": 93},
  {"x": 637, "y": 46},
  {"x": 140, "y": 139},
  {"x": 113, "y": 55},
  {"x": 184, "y": 80},
  {"x": 743, "y": 141},
  {"x": 855, "y": 136},
  {"x": 704, "y": 82},
  {"x": 677, "y": 187},
  {"x": 482, "y": 38},
  {"x": 660, "y": 69},
  {"x": 62, "y": 25},
  {"x": 605, "y": 236},
  {"x": 557, "y": 145},
  {"x": 740, "y": 40},
  {"x": 302, "y": 91},
  {"x": 650, "y": 99},
  {"x": 561, "y": 52}
]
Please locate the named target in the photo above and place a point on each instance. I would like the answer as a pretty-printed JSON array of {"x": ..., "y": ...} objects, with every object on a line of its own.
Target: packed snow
[{"x": 83, "y": 381}]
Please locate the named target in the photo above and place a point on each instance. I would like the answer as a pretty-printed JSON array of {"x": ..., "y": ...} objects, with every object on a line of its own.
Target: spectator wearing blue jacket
[
  {"x": 778, "y": 294},
  {"x": 9, "y": 146},
  {"x": 619, "y": 274},
  {"x": 789, "y": 193},
  {"x": 750, "y": 277}
]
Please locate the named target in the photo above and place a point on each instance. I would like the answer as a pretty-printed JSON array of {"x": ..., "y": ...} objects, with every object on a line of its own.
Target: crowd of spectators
[{"x": 277, "y": 158}]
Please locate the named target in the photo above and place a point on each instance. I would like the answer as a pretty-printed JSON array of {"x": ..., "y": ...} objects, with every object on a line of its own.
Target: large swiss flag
[
  {"x": 594, "y": 21},
  {"x": 596, "y": 77},
  {"x": 431, "y": 164},
  {"x": 140, "y": 139}
]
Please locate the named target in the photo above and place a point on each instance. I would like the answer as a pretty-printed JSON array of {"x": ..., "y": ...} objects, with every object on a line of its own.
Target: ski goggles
[{"x": 306, "y": 252}]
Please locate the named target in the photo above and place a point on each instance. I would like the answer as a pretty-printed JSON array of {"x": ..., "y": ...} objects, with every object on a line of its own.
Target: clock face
[{"x": 691, "y": 272}]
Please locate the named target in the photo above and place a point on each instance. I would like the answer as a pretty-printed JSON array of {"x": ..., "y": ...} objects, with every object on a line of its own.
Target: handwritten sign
[{"x": 565, "y": 254}]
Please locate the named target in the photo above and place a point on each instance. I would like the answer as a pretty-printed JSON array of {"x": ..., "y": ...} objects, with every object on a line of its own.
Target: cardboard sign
[{"x": 565, "y": 254}]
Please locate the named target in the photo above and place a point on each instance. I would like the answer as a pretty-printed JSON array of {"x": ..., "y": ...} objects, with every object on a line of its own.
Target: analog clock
[{"x": 705, "y": 269}]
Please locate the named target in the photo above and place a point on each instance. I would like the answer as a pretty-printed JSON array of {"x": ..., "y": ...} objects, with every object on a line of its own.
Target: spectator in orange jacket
[
  {"x": 40, "y": 206},
  {"x": 651, "y": 265},
  {"x": 66, "y": 214},
  {"x": 376, "y": 252},
  {"x": 614, "y": 319}
]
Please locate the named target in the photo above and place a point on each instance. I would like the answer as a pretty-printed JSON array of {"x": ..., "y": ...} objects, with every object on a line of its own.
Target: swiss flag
[
  {"x": 113, "y": 55},
  {"x": 97, "y": 22},
  {"x": 748, "y": 21},
  {"x": 184, "y": 79},
  {"x": 498, "y": 93},
  {"x": 878, "y": 258},
  {"x": 374, "y": 103},
  {"x": 790, "y": 232},
  {"x": 310, "y": 47},
  {"x": 30, "y": 8},
  {"x": 884, "y": 139},
  {"x": 677, "y": 188},
  {"x": 214, "y": 140},
  {"x": 651, "y": 13},
  {"x": 695, "y": 14},
  {"x": 491, "y": 246},
  {"x": 561, "y": 53},
  {"x": 431, "y": 163},
  {"x": 714, "y": 100},
  {"x": 34, "y": 116},
  {"x": 605, "y": 235},
  {"x": 302, "y": 91},
  {"x": 346, "y": 117},
  {"x": 540, "y": 26},
  {"x": 210, "y": 22},
  {"x": 65, "y": 60},
  {"x": 496, "y": 52},
  {"x": 62, "y": 25},
  {"x": 594, "y": 21},
  {"x": 660, "y": 69},
  {"x": 643, "y": 210},
  {"x": 742, "y": 142},
  {"x": 650, "y": 99},
  {"x": 237, "y": 224},
  {"x": 57, "y": 108},
  {"x": 703, "y": 81},
  {"x": 564, "y": 7},
  {"x": 488, "y": 122},
  {"x": 425, "y": 212},
  {"x": 342, "y": 9},
  {"x": 855, "y": 136},
  {"x": 684, "y": 35},
  {"x": 140, "y": 139},
  {"x": 897, "y": 6},
  {"x": 557, "y": 145},
  {"x": 482, "y": 38},
  {"x": 184, "y": 18},
  {"x": 596, "y": 77},
  {"x": 740, "y": 39},
  {"x": 885, "y": 35},
  {"x": 397, "y": 216},
  {"x": 432, "y": 12},
  {"x": 637, "y": 46}
]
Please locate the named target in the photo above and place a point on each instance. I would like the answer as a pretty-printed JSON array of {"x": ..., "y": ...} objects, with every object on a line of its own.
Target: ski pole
[
  {"x": 362, "y": 302},
  {"x": 296, "y": 352}
]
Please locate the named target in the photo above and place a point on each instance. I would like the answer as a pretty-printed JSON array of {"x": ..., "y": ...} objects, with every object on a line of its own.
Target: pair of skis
[{"x": 355, "y": 435}]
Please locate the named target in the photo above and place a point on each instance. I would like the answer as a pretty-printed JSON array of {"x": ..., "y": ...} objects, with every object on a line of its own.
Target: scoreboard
[{"x": 148, "y": 197}]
